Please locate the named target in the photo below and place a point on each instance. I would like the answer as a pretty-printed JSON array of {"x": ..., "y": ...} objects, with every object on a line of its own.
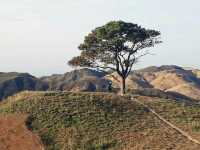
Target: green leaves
[
  {"x": 107, "y": 40},
  {"x": 106, "y": 47}
]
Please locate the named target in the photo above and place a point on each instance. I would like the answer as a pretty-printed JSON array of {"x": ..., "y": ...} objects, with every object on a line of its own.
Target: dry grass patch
[{"x": 14, "y": 134}]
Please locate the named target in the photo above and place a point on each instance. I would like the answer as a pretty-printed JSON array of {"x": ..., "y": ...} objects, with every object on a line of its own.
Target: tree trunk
[{"x": 123, "y": 86}]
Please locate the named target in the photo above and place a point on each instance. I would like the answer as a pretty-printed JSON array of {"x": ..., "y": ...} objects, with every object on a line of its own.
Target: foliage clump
[{"x": 116, "y": 46}]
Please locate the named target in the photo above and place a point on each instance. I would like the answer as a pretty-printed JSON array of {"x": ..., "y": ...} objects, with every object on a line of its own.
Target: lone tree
[{"x": 115, "y": 46}]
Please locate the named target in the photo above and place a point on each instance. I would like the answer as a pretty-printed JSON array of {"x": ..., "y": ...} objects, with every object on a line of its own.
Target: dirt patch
[{"x": 14, "y": 134}]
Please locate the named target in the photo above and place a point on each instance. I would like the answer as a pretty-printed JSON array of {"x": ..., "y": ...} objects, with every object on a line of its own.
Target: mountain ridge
[
  {"x": 166, "y": 78},
  {"x": 13, "y": 82}
]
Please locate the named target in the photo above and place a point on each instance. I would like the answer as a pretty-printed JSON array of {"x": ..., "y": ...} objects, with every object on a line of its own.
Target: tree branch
[{"x": 117, "y": 65}]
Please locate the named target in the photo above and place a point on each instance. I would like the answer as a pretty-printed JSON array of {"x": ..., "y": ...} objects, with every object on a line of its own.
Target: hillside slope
[
  {"x": 174, "y": 79},
  {"x": 169, "y": 80},
  {"x": 78, "y": 80},
  {"x": 11, "y": 83},
  {"x": 15, "y": 135},
  {"x": 97, "y": 121},
  {"x": 183, "y": 115},
  {"x": 165, "y": 78}
]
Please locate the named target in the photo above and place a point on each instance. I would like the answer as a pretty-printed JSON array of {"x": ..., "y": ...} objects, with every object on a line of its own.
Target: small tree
[{"x": 116, "y": 46}]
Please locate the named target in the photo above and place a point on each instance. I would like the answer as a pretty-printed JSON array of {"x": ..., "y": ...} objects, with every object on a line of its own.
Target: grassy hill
[
  {"x": 184, "y": 115},
  {"x": 99, "y": 121}
]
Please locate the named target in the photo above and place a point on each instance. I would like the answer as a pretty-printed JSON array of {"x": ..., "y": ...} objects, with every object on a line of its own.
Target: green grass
[
  {"x": 100, "y": 121},
  {"x": 77, "y": 121}
]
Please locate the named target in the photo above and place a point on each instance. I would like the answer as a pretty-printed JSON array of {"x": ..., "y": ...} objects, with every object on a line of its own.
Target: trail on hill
[{"x": 183, "y": 133}]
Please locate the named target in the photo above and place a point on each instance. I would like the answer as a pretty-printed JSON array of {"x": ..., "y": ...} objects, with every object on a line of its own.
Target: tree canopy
[{"x": 116, "y": 46}]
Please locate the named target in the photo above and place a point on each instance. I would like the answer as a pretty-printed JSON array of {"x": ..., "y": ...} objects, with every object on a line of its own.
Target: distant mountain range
[
  {"x": 11, "y": 83},
  {"x": 78, "y": 80},
  {"x": 166, "y": 80}
]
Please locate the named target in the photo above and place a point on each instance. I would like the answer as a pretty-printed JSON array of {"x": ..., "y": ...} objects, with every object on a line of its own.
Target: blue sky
[{"x": 40, "y": 36}]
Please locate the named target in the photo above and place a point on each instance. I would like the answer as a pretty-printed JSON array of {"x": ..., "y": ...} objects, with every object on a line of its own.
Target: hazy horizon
[{"x": 40, "y": 36}]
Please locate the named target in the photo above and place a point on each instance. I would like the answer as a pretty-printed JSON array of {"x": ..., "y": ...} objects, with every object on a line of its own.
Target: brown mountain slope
[
  {"x": 135, "y": 81},
  {"x": 14, "y": 134},
  {"x": 189, "y": 89},
  {"x": 195, "y": 71},
  {"x": 165, "y": 78},
  {"x": 175, "y": 79}
]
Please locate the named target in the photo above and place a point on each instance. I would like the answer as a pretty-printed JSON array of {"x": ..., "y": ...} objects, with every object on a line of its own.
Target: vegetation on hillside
[
  {"x": 77, "y": 121},
  {"x": 93, "y": 121},
  {"x": 184, "y": 115}
]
